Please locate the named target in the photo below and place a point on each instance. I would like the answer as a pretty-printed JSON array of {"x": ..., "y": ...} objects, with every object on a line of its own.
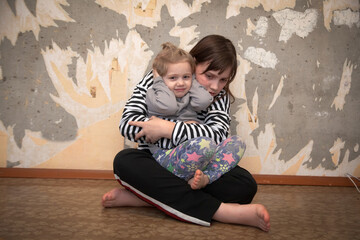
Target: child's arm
[
  {"x": 160, "y": 100},
  {"x": 200, "y": 98}
]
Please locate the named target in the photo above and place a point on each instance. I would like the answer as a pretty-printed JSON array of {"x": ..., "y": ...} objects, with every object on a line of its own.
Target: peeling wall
[{"x": 68, "y": 67}]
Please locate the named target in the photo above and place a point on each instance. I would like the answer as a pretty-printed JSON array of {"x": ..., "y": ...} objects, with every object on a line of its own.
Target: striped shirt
[{"x": 216, "y": 119}]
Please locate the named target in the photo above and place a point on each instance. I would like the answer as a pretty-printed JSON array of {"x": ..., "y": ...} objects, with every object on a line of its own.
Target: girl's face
[
  {"x": 213, "y": 81},
  {"x": 178, "y": 78}
]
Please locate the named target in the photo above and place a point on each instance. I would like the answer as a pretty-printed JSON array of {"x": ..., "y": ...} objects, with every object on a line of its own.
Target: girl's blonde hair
[{"x": 171, "y": 54}]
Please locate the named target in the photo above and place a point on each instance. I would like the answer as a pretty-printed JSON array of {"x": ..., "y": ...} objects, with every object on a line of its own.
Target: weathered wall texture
[{"x": 67, "y": 68}]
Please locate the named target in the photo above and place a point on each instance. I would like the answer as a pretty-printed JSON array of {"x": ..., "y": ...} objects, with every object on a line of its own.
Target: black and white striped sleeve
[{"x": 135, "y": 109}]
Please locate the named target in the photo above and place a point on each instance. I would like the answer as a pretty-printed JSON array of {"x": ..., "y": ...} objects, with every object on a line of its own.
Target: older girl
[{"x": 147, "y": 183}]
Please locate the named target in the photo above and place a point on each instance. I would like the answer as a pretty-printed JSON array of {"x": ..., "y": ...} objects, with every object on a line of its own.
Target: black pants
[{"x": 138, "y": 172}]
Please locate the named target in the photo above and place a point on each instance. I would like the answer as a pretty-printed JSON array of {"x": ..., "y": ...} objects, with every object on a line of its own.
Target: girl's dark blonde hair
[
  {"x": 221, "y": 55},
  {"x": 171, "y": 54}
]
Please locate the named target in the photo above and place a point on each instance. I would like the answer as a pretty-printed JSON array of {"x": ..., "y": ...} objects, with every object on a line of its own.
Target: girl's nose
[
  {"x": 180, "y": 81},
  {"x": 214, "y": 86}
]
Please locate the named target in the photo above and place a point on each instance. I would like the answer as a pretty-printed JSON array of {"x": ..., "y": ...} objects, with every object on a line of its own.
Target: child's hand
[{"x": 154, "y": 129}]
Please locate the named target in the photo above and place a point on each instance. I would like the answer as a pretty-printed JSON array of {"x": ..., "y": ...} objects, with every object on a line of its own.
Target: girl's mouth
[{"x": 180, "y": 89}]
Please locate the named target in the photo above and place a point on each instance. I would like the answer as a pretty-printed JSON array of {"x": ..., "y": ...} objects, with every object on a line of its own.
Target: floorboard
[{"x": 70, "y": 209}]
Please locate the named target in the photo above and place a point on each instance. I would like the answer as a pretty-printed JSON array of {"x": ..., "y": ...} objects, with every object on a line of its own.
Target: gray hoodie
[{"x": 161, "y": 101}]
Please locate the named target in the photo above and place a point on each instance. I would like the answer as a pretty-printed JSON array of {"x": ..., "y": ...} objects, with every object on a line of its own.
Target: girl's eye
[
  {"x": 186, "y": 77},
  {"x": 172, "y": 78},
  {"x": 224, "y": 79},
  {"x": 209, "y": 76}
]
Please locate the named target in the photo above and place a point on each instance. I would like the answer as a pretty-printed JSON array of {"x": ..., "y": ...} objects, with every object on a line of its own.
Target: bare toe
[{"x": 199, "y": 180}]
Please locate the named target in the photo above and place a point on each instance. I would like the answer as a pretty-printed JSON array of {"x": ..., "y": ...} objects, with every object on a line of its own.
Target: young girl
[
  {"x": 147, "y": 183},
  {"x": 176, "y": 95}
]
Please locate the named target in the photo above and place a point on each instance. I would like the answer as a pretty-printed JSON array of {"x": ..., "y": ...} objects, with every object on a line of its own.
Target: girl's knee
[
  {"x": 130, "y": 158},
  {"x": 237, "y": 140},
  {"x": 202, "y": 144},
  {"x": 119, "y": 159},
  {"x": 208, "y": 139}
]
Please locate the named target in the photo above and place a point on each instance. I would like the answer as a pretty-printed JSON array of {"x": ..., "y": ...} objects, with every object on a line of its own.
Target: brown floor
[{"x": 70, "y": 209}]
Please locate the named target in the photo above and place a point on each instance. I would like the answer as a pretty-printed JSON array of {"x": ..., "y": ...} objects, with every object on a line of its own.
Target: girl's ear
[{"x": 155, "y": 73}]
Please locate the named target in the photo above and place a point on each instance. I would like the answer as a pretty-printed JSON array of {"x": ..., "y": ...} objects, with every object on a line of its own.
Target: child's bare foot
[
  {"x": 119, "y": 197},
  {"x": 199, "y": 180},
  {"x": 254, "y": 215}
]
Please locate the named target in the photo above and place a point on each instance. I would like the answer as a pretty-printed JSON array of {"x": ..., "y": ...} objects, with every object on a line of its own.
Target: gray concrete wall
[{"x": 67, "y": 68}]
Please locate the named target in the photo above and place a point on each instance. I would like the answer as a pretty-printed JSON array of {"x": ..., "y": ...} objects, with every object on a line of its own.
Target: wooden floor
[{"x": 70, "y": 209}]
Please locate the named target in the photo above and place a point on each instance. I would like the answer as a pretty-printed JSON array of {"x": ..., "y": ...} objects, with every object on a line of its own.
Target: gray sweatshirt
[{"x": 161, "y": 101}]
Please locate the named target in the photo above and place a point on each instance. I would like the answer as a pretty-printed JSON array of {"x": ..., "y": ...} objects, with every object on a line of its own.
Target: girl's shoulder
[
  {"x": 223, "y": 97},
  {"x": 221, "y": 102},
  {"x": 147, "y": 81}
]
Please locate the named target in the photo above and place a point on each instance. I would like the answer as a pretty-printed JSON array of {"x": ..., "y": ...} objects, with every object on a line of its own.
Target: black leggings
[{"x": 138, "y": 172}]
